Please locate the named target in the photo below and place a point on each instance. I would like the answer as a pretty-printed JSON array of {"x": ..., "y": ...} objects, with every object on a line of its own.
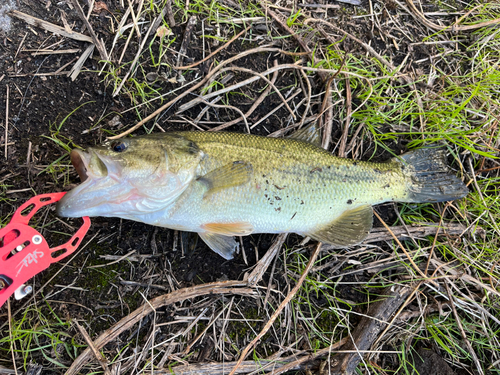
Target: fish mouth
[
  {"x": 90, "y": 197},
  {"x": 80, "y": 161}
]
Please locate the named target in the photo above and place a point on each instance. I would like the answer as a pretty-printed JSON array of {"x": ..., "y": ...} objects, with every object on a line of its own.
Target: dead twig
[
  {"x": 224, "y": 46},
  {"x": 100, "y": 358},
  {"x": 6, "y": 120},
  {"x": 320, "y": 353},
  {"x": 224, "y": 287},
  {"x": 327, "y": 109},
  {"x": 254, "y": 105},
  {"x": 198, "y": 85},
  {"x": 401, "y": 246},
  {"x": 275, "y": 315},
  {"x": 263, "y": 264},
  {"x": 186, "y": 39},
  {"x": 368, "y": 329},
  {"x": 426, "y": 229},
  {"x": 194, "y": 102},
  {"x": 348, "y": 104}
]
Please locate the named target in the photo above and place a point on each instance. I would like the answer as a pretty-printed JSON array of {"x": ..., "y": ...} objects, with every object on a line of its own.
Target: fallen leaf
[{"x": 99, "y": 6}]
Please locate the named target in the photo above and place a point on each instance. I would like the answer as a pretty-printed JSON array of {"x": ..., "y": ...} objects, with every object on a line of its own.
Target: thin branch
[{"x": 283, "y": 304}]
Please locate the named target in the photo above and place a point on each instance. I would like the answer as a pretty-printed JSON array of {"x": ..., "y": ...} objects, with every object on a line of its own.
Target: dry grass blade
[
  {"x": 98, "y": 43},
  {"x": 454, "y": 28},
  {"x": 33, "y": 21},
  {"x": 224, "y": 46},
  {"x": 415, "y": 267},
  {"x": 224, "y": 287},
  {"x": 462, "y": 332},
  {"x": 198, "y": 85},
  {"x": 102, "y": 361},
  {"x": 369, "y": 328},
  {"x": 275, "y": 315},
  {"x": 6, "y": 139}
]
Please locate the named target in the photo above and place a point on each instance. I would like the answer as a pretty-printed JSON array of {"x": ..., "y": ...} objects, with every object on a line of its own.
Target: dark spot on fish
[
  {"x": 386, "y": 186},
  {"x": 277, "y": 198},
  {"x": 317, "y": 169},
  {"x": 279, "y": 188},
  {"x": 277, "y": 209},
  {"x": 349, "y": 201},
  {"x": 376, "y": 170},
  {"x": 293, "y": 215},
  {"x": 301, "y": 202},
  {"x": 264, "y": 176},
  {"x": 355, "y": 163},
  {"x": 267, "y": 182},
  {"x": 265, "y": 195}
]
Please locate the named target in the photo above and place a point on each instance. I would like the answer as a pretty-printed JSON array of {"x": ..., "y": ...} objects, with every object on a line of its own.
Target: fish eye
[{"x": 118, "y": 146}]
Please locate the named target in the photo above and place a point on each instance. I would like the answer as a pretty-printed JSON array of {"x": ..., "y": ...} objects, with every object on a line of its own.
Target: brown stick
[
  {"x": 186, "y": 39},
  {"x": 199, "y": 84},
  {"x": 427, "y": 229},
  {"x": 216, "y": 51},
  {"x": 348, "y": 104},
  {"x": 279, "y": 365},
  {"x": 417, "y": 269},
  {"x": 283, "y": 304},
  {"x": 6, "y": 121},
  {"x": 224, "y": 287},
  {"x": 319, "y": 353},
  {"x": 95, "y": 351},
  {"x": 368, "y": 329},
  {"x": 254, "y": 105}
]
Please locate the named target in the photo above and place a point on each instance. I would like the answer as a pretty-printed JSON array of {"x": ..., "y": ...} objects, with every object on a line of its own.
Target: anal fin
[
  {"x": 349, "y": 229},
  {"x": 225, "y": 246}
]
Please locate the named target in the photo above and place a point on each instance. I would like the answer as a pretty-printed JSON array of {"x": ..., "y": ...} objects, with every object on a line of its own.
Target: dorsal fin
[{"x": 310, "y": 133}]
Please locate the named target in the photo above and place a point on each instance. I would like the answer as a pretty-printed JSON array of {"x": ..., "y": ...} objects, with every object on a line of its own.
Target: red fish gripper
[{"x": 24, "y": 252}]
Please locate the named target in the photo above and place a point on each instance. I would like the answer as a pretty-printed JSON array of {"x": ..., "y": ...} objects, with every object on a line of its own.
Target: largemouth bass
[{"x": 222, "y": 185}]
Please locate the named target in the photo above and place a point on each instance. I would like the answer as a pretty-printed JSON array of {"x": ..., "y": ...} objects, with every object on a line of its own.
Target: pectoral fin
[
  {"x": 230, "y": 175},
  {"x": 225, "y": 246},
  {"x": 349, "y": 229},
  {"x": 229, "y": 229}
]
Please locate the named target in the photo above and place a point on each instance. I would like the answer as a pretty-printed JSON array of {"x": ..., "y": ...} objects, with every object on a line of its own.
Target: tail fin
[{"x": 428, "y": 177}]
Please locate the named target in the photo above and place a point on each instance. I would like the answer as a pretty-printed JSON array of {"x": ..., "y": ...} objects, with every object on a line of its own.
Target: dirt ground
[{"x": 40, "y": 97}]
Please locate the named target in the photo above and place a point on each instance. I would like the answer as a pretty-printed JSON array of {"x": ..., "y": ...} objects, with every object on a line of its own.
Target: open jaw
[
  {"x": 93, "y": 196},
  {"x": 80, "y": 161}
]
